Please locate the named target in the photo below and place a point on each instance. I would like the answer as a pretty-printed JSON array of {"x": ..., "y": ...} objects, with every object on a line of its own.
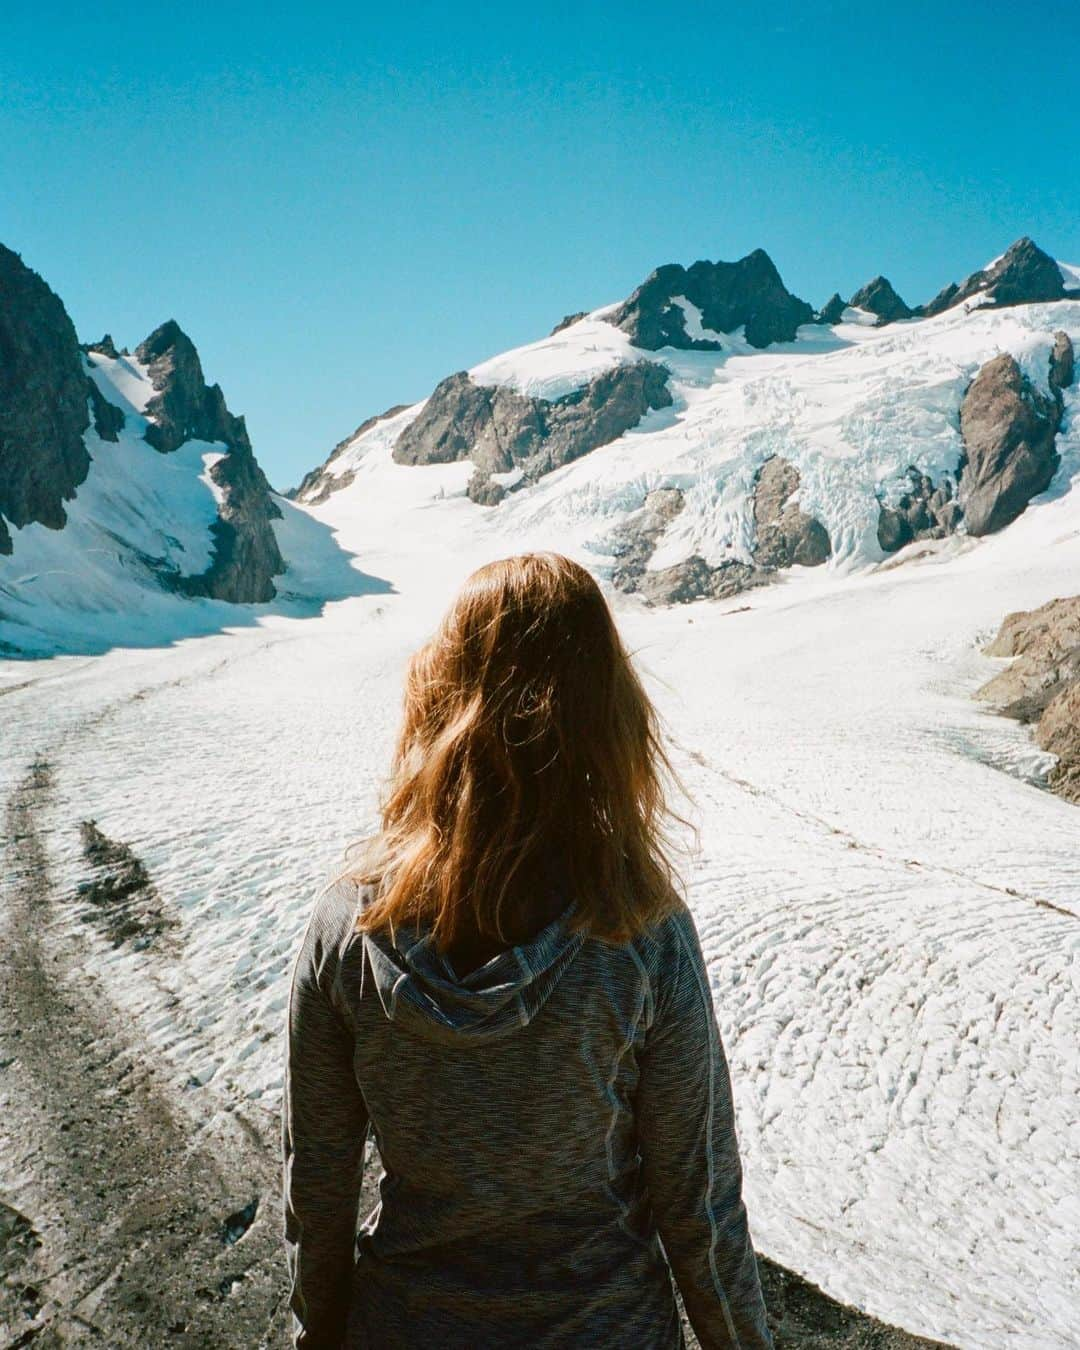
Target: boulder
[
  {"x": 746, "y": 293},
  {"x": 1042, "y": 683},
  {"x": 44, "y": 396},
  {"x": 878, "y": 297},
  {"x": 1008, "y": 427},
  {"x": 500, "y": 429},
  {"x": 784, "y": 534},
  {"x": 1023, "y": 275},
  {"x": 1062, "y": 363}
]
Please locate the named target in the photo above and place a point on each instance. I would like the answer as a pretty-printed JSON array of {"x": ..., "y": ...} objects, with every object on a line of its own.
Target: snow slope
[
  {"x": 851, "y": 406},
  {"x": 888, "y": 901},
  {"x": 138, "y": 517}
]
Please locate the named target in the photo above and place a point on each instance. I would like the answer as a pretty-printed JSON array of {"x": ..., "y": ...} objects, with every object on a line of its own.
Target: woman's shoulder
[
  {"x": 339, "y": 900},
  {"x": 668, "y": 937}
]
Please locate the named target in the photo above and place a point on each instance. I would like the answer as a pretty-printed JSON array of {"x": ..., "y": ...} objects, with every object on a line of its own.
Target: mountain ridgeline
[
  {"x": 76, "y": 422},
  {"x": 62, "y": 408},
  {"x": 1004, "y": 417}
]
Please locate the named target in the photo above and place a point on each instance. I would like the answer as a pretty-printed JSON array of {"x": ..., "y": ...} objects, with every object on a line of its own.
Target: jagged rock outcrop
[
  {"x": 924, "y": 511},
  {"x": 1042, "y": 685},
  {"x": 784, "y": 534},
  {"x": 695, "y": 579},
  {"x": 568, "y": 320},
  {"x": 108, "y": 418},
  {"x": 749, "y": 292},
  {"x": 105, "y": 346},
  {"x": 879, "y": 297},
  {"x": 832, "y": 311},
  {"x": 1023, "y": 275},
  {"x": 634, "y": 542},
  {"x": 246, "y": 555},
  {"x": 1008, "y": 427},
  {"x": 1062, "y": 363},
  {"x": 501, "y": 430},
  {"x": 44, "y": 393},
  {"x": 316, "y": 487}
]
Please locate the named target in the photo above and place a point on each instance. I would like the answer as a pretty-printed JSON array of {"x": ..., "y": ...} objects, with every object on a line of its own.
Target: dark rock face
[
  {"x": 500, "y": 429},
  {"x": 879, "y": 298},
  {"x": 924, "y": 511},
  {"x": 785, "y": 535},
  {"x": 43, "y": 402},
  {"x": 1062, "y": 363},
  {"x": 748, "y": 292},
  {"x": 567, "y": 320},
  {"x": 317, "y": 486},
  {"x": 1042, "y": 685},
  {"x": 1008, "y": 428},
  {"x": 246, "y": 554},
  {"x": 105, "y": 347},
  {"x": 108, "y": 418},
  {"x": 833, "y": 309},
  {"x": 1023, "y": 275}
]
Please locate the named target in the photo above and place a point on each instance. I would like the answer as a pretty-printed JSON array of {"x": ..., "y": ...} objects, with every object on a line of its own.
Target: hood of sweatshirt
[{"x": 419, "y": 988}]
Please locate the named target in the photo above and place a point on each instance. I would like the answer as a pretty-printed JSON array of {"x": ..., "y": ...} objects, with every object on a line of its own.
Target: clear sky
[{"x": 342, "y": 204}]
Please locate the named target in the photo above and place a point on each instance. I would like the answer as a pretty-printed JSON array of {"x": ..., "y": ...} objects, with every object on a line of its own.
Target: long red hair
[{"x": 528, "y": 746}]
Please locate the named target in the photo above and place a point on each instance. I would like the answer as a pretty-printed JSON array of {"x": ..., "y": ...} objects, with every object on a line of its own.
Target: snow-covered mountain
[
  {"x": 887, "y": 896},
  {"x": 132, "y": 507},
  {"x": 712, "y": 430}
]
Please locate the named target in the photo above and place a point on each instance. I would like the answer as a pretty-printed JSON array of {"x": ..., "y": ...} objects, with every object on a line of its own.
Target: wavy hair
[{"x": 528, "y": 749}]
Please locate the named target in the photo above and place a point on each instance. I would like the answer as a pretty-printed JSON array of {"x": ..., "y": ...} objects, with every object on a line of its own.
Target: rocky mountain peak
[
  {"x": 1023, "y": 275},
  {"x": 879, "y": 297},
  {"x": 747, "y": 293},
  {"x": 44, "y": 394}
]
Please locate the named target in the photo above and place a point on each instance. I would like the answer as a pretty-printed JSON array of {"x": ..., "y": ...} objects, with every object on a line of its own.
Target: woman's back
[{"x": 542, "y": 1121}]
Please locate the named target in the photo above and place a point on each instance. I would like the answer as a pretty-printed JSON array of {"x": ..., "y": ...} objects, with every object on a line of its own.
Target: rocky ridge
[
  {"x": 503, "y": 431},
  {"x": 316, "y": 487},
  {"x": 748, "y": 293},
  {"x": 44, "y": 396},
  {"x": 47, "y": 402},
  {"x": 1041, "y": 686}
]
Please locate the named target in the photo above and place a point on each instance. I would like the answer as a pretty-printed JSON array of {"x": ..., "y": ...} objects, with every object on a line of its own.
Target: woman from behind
[{"x": 505, "y": 987}]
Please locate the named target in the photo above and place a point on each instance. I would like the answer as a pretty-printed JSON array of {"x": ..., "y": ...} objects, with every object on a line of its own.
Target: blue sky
[{"x": 342, "y": 204}]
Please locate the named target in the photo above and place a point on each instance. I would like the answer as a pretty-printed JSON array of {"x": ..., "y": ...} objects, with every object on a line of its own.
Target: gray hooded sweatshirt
[{"x": 551, "y": 1126}]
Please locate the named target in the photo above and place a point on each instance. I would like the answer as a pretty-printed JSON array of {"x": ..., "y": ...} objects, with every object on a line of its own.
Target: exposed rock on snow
[
  {"x": 832, "y": 311},
  {"x": 634, "y": 542},
  {"x": 879, "y": 297},
  {"x": 1062, "y": 363},
  {"x": 785, "y": 535},
  {"x": 315, "y": 487},
  {"x": 1008, "y": 427},
  {"x": 185, "y": 408},
  {"x": 924, "y": 511},
  {"x": 1023, "y": 275},
  {"x": 43, "y": 402},
  {"x": 747, "y": 294},
  {"x": 501, "y": 430},
  {"x": 1042, "y": 685}
]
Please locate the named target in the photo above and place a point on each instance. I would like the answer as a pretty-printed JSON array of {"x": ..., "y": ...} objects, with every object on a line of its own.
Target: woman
[{"x": 507, "y": 989}]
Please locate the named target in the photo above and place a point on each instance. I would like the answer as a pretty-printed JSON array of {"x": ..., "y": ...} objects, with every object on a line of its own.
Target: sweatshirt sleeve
[
  {"x": 690, "y": 1155},
  {"x": 324, "y": 1129}
]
